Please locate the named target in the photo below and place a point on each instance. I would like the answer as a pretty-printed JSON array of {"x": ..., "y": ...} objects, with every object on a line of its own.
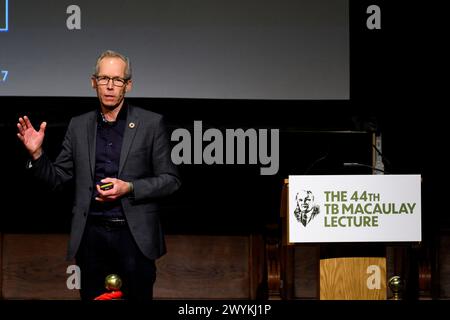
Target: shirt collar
[{"x": 121, "y": 116}]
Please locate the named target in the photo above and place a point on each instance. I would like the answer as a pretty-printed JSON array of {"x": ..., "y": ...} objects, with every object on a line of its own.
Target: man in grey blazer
[{"x": 119, "y": 157}]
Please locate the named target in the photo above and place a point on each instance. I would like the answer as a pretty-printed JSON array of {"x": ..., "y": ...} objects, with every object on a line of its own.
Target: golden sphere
[
  {"x": 395, "y": 284},
  {"x": 113, "y": 282}
]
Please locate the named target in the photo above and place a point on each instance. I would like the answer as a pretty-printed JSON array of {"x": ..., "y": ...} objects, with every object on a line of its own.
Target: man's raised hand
[{"x": 31, "y": 139}]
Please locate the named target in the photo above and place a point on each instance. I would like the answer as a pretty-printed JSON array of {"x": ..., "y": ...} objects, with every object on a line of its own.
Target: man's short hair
[{"x": 114, "y": 54}]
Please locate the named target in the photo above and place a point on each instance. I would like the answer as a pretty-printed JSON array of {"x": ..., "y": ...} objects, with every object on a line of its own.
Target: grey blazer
[{"x": 144, "y": 160}]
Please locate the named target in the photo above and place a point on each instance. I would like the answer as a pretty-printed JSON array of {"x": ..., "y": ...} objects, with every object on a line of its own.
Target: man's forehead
[
  {"x": 112, "y": 63},
  {"x": 112, "y": 60}
]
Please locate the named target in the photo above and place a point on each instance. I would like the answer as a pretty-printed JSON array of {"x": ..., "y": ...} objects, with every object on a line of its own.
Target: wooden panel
[
  {"x": 349, "y": 279},
  {"x": 204, "y": 267},
  {"x": 397, "y": 264},
  {"x": 195, "y": 267},
  {"x": 34, "y": 267},
  {"x": 256, "y": 268},
  {"x": 444, "y": 265},
  {"x": 306, "y": 272}
]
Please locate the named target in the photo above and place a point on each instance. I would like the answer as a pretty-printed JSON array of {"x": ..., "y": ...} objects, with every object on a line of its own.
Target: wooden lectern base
[{"x": 353, "y": 278}]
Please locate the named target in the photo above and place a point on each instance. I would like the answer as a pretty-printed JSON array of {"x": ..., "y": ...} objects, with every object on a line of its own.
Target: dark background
[{"x": 394, "y": 90}]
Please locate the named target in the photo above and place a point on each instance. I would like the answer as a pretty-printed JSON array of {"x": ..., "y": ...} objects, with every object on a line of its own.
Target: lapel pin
[{"x": 131, "y": 125}]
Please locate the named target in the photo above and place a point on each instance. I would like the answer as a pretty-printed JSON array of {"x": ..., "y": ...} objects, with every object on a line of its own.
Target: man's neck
[{"x": 111, "y": 114}]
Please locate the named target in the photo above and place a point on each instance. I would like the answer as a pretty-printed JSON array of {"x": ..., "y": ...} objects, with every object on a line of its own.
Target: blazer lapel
[
  {"x": 91, "y": 140},
  {"x": 131, "y": 127}
]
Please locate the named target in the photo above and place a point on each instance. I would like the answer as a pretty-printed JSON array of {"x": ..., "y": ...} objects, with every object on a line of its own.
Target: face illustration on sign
[{"x": 306, "y": 209}]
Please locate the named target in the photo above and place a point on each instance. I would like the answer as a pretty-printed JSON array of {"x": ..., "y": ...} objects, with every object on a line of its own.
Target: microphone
[
  {"x": 312, "y": 165},
  {"x": 356, "y": 164}
]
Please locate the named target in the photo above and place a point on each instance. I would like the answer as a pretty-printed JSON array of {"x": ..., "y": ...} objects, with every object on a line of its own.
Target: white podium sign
[{"x": 354, "y": 208}]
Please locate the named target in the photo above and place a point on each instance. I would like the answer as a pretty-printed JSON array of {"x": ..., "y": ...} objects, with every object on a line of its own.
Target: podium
[
  {"x": 353, "y": 278},
  {"x": 337, "y": 270}
]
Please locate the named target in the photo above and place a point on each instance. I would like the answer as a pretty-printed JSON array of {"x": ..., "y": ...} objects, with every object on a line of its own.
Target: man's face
[
  {"x": 111, "y": 96},
  {"x": 304, "y": 201}
]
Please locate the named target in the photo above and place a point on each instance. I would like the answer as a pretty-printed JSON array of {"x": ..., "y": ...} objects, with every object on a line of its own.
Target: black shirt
[{"x": 107, "y": 156}]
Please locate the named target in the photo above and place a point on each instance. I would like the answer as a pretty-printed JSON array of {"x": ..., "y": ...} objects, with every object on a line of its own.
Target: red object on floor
[{"x": 110, "y": 295}]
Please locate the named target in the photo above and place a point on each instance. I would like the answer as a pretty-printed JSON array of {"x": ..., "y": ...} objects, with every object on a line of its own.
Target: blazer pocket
[{"x": 139, "y": 151}]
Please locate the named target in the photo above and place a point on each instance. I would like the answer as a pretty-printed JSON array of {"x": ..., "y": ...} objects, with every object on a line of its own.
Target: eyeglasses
[{"x": 104, "y": 80}]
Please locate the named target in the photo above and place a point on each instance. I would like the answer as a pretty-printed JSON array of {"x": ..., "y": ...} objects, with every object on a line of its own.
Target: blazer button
[{"x": 84, "y": 213}]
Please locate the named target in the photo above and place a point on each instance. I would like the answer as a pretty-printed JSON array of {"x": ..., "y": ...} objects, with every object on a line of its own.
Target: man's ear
[
  {"x": 129, "y": 86},
  {"x": 93, "y": 83}
]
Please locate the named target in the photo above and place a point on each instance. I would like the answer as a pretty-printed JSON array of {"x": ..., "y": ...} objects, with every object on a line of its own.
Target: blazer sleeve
[
  {"x": 166, "y": 178},
  {"x": 56, "y": 174}
]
